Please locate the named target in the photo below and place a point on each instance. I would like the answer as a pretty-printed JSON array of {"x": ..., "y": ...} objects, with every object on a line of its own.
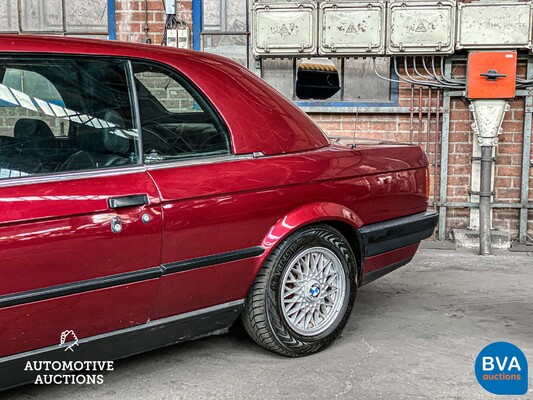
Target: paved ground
[{"x": 413, "y": 335}]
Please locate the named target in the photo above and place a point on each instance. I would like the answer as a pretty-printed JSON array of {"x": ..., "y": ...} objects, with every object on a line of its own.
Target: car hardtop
[{"x": 258, "y": 117}]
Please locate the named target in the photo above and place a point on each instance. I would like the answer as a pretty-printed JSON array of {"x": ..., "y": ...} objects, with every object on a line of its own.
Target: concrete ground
[{"x": 413, "y": 334}]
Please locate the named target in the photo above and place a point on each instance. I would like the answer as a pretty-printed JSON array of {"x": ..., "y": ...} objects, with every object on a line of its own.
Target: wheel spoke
[
  {"x": 290, "y": 291},
  {"x": 299, "y": 317},
  {"x": 293, "y": 309}
]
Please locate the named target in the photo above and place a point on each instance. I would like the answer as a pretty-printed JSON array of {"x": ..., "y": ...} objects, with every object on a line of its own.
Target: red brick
[{"x": 505, "y": 170}]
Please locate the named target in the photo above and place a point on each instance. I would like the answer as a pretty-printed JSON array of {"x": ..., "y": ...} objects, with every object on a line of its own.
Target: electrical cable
[
  {"x": 411, "y": 80},
  {"x": 416, "y": 81},
  {"x": 415, "y": 69},
  {"x": 451, "y": 81},
  {"x": 380, "y": 76},
  {"x": 436, "y": 76}
]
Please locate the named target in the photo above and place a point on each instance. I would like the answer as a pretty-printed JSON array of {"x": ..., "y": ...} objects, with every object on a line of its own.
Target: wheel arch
[{"x": 335, "y": 215}]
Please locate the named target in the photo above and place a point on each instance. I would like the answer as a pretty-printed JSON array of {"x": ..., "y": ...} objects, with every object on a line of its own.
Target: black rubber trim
[
  {"x": 372, "y": 276},
  {"x": 400, "y": 232},
  {"x": 201, "y": 262},
  {"x": 50, "y": 292},
  {"x": 127, "y": 201},
  {"x": 123, "y": 343},
  {"x": 78, "y": 287}
]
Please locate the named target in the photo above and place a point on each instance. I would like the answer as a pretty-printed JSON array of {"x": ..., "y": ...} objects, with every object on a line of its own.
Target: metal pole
[
  {"x": 428, "y": 130},
  {"x": 485, "y": 193},
  {"x": 420, "y": 116},
  {"x": 526, "y": 156},
  {"x": 444, "y": 153},
  {"x": 436, "y": 159},
  {"x": 411, "y": 114}
]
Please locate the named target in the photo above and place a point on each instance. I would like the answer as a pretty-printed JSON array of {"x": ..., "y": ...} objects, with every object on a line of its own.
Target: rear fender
[{"x": 307, "y": 215}]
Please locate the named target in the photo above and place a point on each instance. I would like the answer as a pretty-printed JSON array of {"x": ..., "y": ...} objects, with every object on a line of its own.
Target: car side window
[
  {"x": 64, "y": 114},
  {"x": 176, "y": 121}
]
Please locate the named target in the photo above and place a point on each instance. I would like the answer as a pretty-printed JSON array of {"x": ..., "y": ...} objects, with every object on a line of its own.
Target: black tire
[{"x": 263, "y": 317}]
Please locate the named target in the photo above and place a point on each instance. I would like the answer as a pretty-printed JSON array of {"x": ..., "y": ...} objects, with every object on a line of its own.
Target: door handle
[{"x": 127, "y": 201}]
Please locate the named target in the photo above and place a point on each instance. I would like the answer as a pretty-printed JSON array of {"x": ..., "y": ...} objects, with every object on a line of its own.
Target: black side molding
[
  {"x": 399, "y": 232},
  {"x": 28, "y": 296},
  {"x": 200, "y": 262}
]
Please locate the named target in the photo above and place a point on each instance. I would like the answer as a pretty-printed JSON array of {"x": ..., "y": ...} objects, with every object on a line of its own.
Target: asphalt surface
[{"x": 413, "y": 334}]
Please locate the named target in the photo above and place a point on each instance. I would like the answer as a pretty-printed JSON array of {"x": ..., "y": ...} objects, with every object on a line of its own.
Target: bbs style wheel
[{"x": 304, "y": 293}]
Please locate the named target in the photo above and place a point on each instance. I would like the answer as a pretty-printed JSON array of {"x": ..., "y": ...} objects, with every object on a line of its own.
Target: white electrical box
[
  {"x": 352, "y": 28},
  {"x": 284, "y": 29},
  {"x": 421, "y": 27},
  {"x": 179, "y": 37},
  {"x": 501, "y": 25}
]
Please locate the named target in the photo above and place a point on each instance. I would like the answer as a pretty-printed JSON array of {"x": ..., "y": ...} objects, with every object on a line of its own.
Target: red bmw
[{"x": 151, "y": 196}]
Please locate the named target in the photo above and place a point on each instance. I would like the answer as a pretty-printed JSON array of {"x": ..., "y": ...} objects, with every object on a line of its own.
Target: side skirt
[
  {"x": 124, "y": 342},
  {"x": 372, "y": 276}
]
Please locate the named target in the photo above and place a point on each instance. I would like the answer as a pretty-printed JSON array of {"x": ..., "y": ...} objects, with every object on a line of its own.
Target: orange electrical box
[{"x": 491, "y": 75}]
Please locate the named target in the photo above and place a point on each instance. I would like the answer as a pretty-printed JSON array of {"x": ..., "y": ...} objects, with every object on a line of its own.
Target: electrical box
[
  {"x": 421, "y": 27},
  {"x": 170, "y": 7},
  {"x": 179, "y": 37},
  {"x": 500, "y": 25},
  {"x": 352, "y": 28},
  {"x": 284, "y": 28},
  {"x": 491, "y": 75}
]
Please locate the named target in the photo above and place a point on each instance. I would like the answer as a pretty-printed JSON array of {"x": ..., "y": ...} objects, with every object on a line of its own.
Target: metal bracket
[
  {"x": 479, "y": 158},
  {"x": 481, "y": 194}
]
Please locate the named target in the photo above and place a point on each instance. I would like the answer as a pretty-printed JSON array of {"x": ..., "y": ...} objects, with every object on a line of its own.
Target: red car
[{"x": 151, "y": 196}]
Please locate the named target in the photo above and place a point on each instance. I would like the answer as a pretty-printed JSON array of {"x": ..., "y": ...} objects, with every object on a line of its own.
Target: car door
[{"x": 80, "y": 227}]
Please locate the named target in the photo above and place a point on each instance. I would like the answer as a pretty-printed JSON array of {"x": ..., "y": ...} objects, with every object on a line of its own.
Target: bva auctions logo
[{"x": 501, "y": 368}]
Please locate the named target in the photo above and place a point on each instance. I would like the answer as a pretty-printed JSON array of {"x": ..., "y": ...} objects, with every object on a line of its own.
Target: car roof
[{"x": 259, "y": 118}]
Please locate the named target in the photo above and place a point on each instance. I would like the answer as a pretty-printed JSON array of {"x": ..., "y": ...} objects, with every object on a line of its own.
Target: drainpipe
[
  {"x": 488, "y": 118},
  {"x": 485, "y": 193}
]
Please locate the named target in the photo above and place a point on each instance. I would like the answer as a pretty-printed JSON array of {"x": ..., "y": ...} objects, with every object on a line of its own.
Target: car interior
[{"x": 94, "y": 101}]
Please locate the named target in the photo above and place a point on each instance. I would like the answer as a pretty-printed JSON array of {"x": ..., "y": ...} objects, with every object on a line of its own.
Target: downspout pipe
[
  {"x": 485, "y": 194},
  {"x": 488, "y": 117}
]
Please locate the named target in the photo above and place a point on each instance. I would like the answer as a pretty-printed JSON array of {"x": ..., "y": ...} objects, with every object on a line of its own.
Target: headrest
[
  {"x": 108, "y": 140},
  {"x": 33, "y": 134}
]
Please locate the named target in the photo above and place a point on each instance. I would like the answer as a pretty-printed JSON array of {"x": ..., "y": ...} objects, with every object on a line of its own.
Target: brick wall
[{"x": 130, "y": 17}]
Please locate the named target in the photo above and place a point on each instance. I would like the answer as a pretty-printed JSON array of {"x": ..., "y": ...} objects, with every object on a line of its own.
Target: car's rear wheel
[{"x": 304, "y": 293}]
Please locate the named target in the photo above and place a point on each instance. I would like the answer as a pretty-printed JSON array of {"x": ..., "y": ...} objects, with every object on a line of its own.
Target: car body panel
[
  {"x": 39, "y": 324},
  {"x": 57, "y": 233},
  {"x": 231, "y": 205}
]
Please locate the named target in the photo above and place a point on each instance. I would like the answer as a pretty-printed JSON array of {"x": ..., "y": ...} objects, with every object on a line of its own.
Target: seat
[
  {"x": 34, "y": 135},
  {"x": 100, "y": 148},
  {"x": 35, "y": 147}
]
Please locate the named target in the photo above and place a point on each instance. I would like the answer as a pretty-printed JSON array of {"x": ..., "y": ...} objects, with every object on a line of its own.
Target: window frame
[
  {"x": 309, "y": 106},
  {"x": 220, "y": 123},
  {"x": 140, "y": 165}
]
